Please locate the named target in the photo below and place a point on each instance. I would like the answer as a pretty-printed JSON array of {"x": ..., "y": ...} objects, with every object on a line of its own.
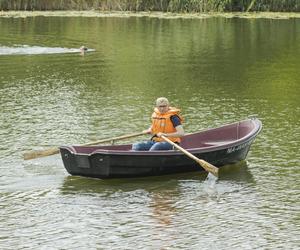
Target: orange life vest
[{"x": 162, "y": 123}]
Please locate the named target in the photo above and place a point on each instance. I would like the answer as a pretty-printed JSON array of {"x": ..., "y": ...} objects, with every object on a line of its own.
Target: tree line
[{"x": 188, "y": 6}]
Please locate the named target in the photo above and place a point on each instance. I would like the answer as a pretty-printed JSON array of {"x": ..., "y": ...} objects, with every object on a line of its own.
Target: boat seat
[{"x": 217, "y": 143}]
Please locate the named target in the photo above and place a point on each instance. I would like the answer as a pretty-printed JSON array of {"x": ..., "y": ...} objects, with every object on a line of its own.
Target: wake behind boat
[
  {"x": 219, "y": 146},
  {"x": 39, "y": 50}
]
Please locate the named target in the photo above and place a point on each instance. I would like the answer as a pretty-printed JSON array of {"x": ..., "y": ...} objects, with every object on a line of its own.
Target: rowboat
[{"x": 219, "y": 146}]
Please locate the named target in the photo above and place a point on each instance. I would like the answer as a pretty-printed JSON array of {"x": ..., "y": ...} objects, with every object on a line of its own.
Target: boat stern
[{"x": 84, "y": 164}]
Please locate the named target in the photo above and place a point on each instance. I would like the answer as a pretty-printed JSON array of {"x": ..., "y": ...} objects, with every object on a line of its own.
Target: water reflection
[
  {"x": 85, "y": 185},
  {"x": 158, "y": 193},
  {"x": 163, "y": 195},
  {"x": 216, "y": 70},
  {"x": 163, "y": 208},
  {"x": 238, "y": 173}
]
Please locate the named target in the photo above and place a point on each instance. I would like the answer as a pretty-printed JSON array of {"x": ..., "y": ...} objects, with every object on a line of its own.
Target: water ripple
[{"x": 217, "y": 71}]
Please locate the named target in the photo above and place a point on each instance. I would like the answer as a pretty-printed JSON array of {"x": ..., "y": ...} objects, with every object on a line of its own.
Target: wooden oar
[
  {"x": 55, "y": 150},
  {"x": 207, "y": 166}
]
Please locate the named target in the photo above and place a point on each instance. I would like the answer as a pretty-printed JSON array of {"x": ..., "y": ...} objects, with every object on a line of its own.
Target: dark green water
[{"x": 216, "y": 70}]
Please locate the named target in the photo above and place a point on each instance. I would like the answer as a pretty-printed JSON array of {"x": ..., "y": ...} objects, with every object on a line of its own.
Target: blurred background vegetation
[{"x": 154, "y": 5}]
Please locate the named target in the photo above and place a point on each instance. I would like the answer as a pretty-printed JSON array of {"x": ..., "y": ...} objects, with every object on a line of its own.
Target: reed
[{"x": 154, "y": 5}]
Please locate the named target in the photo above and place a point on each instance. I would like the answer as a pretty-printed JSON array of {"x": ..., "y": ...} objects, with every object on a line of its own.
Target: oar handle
[
  {"x": 51, "y": 151},
  {"x": 207, "y": 166},
  {"x": 114, "y": 139}
]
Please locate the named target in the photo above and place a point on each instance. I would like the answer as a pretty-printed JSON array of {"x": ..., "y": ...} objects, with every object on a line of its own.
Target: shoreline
[{"x": 163, "y": 15}]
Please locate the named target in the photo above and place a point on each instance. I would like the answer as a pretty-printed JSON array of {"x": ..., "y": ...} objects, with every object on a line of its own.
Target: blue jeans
[{"x": 151, "y": 146}]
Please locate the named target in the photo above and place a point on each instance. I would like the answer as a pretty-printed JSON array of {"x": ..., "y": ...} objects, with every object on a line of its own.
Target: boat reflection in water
[{"x": 163, "y": 197}]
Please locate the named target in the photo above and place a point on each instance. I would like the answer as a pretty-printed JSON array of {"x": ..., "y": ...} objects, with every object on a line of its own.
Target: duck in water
[{"x": 83, "y": 49}]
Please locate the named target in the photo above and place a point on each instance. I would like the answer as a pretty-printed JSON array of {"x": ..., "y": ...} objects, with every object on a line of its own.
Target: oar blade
[
  {"x": 209, "y": 167},
  {"x": 40, "y": 153}
]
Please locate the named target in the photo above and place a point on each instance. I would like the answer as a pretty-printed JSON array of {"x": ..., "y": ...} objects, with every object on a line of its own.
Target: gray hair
[{"x": 162, "y": 101}]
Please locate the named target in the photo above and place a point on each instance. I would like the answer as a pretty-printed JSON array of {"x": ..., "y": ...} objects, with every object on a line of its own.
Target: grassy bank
[
  {"x": 152, "y": 14},
  {"x": 180, "y": 6}
]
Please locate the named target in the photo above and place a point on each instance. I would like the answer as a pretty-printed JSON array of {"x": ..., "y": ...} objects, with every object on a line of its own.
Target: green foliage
[{"x": 153, "y": 5}]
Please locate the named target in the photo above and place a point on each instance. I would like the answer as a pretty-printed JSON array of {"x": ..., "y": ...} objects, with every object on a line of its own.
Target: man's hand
[
  {"x": 147, "y": 131},
  {"x": 159, "y": 134}
]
